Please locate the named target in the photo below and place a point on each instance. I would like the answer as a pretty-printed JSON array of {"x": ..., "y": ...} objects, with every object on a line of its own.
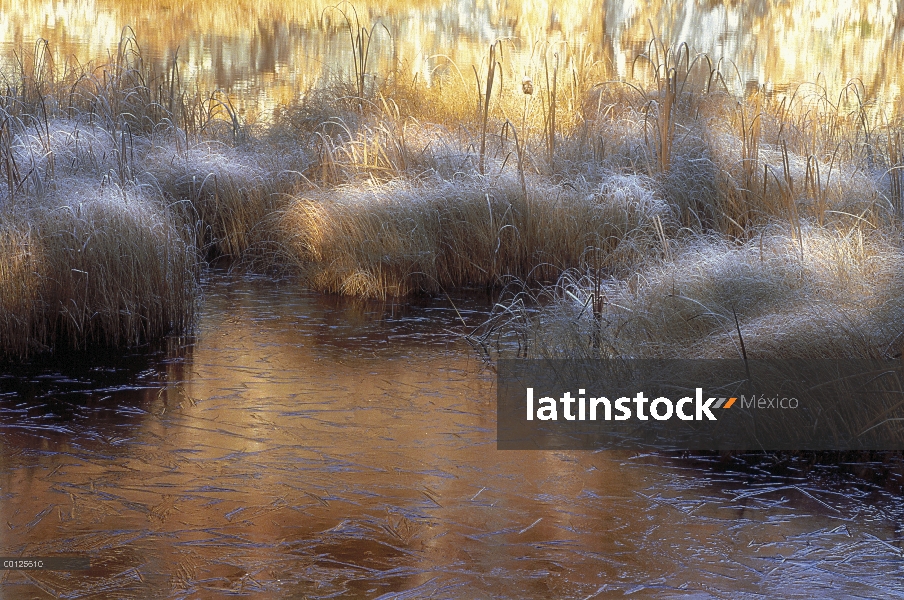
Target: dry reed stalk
[
  {"x": 360, "y": 38},
  {"x": 895, "y": 152},
  {"x": 483, "y": 102},
  {"x": 551, "y": 91},
  {"x": 750, "y": 158}
]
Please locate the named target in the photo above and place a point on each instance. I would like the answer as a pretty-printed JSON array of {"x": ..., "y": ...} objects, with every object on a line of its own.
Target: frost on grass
[
  {"x": 640, "y": 189},
  {"x": 825, "y": 294},
  {"x": 94, "y": 266},
  {"x": 401, "y": 237}
]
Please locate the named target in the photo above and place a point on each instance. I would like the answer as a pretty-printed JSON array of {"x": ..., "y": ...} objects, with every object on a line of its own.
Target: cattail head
[{"x": 527, "y": 86}]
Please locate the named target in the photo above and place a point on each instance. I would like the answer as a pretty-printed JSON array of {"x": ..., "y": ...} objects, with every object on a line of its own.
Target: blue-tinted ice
[{"x": 317, "y": 447}]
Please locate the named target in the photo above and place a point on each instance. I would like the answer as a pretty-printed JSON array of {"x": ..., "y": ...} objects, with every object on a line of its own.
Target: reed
[
  {"x": 360, "y": 38},
  {"x": 227, "y": 194},
  {"x": 374, "y": 190},
  {"x": 663, "y": 101},
  {"x": 837, "y": 299},
  {"x": 398, "y": 238},
  {"x": 109, "y": 268},
  {"x": 483, "y": 102},
  {"x": 895, "y": 153},
  {"x": 551, "y": 103}
]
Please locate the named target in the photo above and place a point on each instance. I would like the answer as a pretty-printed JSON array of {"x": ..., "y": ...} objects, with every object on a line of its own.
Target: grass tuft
[
  {"x": 830, "y": 294},
  {"x": 400, "y": 238},
  {"x": 110, "y": 268}
]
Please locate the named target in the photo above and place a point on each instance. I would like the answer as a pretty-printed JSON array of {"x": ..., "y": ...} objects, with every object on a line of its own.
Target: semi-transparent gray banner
[{"x": 701, "y": 404}]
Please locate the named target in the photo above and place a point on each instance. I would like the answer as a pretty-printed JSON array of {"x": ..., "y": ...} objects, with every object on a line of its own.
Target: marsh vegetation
[
  {"x": 659, "y": 214},
  {"x": 322, "y": 444}
]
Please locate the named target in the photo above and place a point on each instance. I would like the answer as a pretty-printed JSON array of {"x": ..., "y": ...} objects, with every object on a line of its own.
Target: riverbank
[{"x": 659, "y": 213}]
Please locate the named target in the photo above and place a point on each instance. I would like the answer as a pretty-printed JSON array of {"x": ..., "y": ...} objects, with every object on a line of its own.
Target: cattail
[{"x": 527, "y": 86}]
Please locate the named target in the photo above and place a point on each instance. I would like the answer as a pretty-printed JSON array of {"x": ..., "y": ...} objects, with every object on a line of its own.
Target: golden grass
[
  {"x": 95, "y": 268},
  {"x": 229, "y": 193},
  {"x": 18, "y": 285},
  {"x": 666, "y": 192},
  {"x": 401, "y": 238}
]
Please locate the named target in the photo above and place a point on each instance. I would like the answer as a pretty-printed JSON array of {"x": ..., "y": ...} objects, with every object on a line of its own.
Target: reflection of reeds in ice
[{"x": 785, "y": 43}]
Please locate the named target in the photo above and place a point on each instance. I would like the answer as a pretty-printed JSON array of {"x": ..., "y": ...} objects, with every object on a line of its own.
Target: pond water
[
  {"x": 267, "y": 52},
  {"x": 309, "y": 446}
]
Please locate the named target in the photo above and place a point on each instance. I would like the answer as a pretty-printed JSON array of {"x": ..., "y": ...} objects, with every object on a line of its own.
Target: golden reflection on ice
[
  {"x": 300, "y": 449},
  {"x": 267, "y": 52}
]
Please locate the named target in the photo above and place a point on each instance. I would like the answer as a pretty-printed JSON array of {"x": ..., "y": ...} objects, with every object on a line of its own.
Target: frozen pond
[
  {"x": 305, "y": 446},
  {"x": 265, "y": 53}
]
